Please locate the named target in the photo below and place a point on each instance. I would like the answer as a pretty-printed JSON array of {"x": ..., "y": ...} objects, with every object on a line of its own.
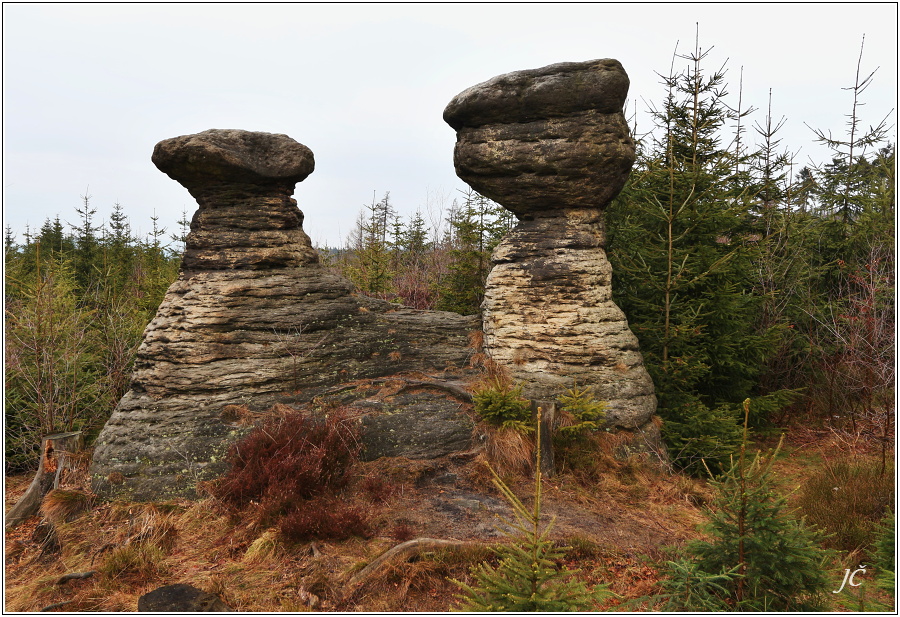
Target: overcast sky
[{"x": 89, "y": 89}]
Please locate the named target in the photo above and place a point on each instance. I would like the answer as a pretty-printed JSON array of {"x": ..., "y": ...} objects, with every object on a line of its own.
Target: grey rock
[
  {"x": 230, "y": 156},
  {"x": 424, "y": 425},
  {"x": 552, "y": 146},
  {"x": 547, "y": 138},
  {"x": 253, "y": 319},
  {"x": 181, "y": 598},
  {"x": 243, "y": 183},
  {"x": 552, "y": 91}
]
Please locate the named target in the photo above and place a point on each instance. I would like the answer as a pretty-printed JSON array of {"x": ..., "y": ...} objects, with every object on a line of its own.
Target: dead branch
[
  {"x": 55, "y": 606},
  {"x": 400, "y": 553},
  {"x": 420, "y": 383},
  {"x": 65, "y": 578},
  {"x": 456, "y": 391}
]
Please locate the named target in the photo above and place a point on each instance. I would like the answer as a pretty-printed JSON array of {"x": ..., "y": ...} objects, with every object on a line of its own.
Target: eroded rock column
[
  {"x": 553, "y": 146},
  {"x": 253, "y": 320}
]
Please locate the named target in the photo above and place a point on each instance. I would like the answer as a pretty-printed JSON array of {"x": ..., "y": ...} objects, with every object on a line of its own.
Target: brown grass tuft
[
  {"x": 508, "y": 451},
  {"x": 477, "y": 359},
  {"x": 848, "y": 498},
  {"x": 63, "y": 506},
  {"x": 135, "y": 563},
  {"x": 494, "y": 371},
  {"x": 264, "y": 547}
]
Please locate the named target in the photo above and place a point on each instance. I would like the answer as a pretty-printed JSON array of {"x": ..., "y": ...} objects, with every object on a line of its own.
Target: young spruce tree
[
  {"x": 682, "y": 260},
  {"x": 528, "y": 577},
  {"x": 759, "y": 558}
]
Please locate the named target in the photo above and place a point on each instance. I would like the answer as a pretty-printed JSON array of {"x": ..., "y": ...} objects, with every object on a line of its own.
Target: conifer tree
[
  {"x": 682, "y": 262},
  {"x": 86, "y": 245},
  {"x": 370, "y": 268},
  {"x": 477, "y": 226},
  {"x": 52, "y": 378},
  {"x": 415, "y": 278},
  {"x": 70, "y": 344},
  {"x": 528, "y": 577},
  {"x": 759, "y": 558}
]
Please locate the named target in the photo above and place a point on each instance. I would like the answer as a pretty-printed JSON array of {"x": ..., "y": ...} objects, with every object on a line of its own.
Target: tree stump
[{"x": 54, "y": 458}]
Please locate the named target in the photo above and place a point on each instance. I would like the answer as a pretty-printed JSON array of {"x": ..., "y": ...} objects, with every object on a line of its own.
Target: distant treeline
[{"x": 77, "y": 300}]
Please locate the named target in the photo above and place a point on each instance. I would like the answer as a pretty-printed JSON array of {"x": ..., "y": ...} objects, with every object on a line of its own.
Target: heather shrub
[
  {"x": 325, "y": 518},
  {"x": 376, "y": 488},
  {"x": 403, "y": 531},
  {"x": 289, "y": 459},
  {"x": 294, "y": 466}
]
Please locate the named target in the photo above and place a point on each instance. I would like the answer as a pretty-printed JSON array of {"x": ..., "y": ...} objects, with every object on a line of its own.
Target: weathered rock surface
[
  {"x": 546, "y": 138},
  {"x": 552, "y": 145},
  {"x": 243, "y": 183},
  {"x": 180, "y": 598},
  {"x": 254, "y": 320}
]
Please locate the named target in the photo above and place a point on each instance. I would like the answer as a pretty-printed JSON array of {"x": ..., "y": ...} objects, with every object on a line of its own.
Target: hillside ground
[{"x": 620, "y": 520}]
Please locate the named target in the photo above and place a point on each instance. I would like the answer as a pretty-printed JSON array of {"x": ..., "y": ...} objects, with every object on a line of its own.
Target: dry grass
[
  {"x": 63, "y": 506},
  {"x": 848, "y": 498},
  {"x": 616, "y": 515},
  {"x": 508, "y": 451}
]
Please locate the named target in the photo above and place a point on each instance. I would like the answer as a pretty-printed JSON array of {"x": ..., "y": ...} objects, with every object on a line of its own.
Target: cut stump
[{"x": 55, "y": 451}]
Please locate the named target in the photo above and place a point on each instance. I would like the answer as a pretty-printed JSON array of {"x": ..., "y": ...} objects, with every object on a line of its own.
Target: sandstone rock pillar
[
  {"x": 254, "y": 320},
  {"x": 553, "y": 146}
]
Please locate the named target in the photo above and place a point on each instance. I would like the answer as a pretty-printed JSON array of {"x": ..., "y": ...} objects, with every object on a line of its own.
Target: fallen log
[{"x": 55, "y": 451}]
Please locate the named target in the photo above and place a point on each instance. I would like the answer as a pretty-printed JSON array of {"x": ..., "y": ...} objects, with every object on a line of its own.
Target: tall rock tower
[{"x": 553, "y": 146}]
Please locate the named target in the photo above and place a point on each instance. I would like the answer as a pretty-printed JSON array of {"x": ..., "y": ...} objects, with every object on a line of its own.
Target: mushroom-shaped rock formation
[
  {"x": 552, "y": 146},
  {"x": 254, "y": 320},
  {"x": 231, "y": 174}
]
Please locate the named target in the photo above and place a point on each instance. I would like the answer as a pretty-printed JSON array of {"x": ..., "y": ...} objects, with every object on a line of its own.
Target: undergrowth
[
  {"x": 848, "y": 499},
  {"x": 527, "y": 576},
  {"x": 501, "y": 404},
  {"x": 293, "y": 467}
]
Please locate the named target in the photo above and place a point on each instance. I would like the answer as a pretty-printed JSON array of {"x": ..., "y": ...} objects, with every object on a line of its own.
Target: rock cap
[
  {"x": 548, "y": 92},
  {"x": 220, "y": 156}
]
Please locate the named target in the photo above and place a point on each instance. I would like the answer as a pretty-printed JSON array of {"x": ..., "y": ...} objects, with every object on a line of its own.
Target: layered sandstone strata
[
  {"x": 252, "y": 320},
  {"x": 553, "y": 146}
]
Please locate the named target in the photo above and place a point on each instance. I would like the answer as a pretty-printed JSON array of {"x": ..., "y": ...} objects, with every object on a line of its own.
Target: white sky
[{"x": 89, "y": 89}]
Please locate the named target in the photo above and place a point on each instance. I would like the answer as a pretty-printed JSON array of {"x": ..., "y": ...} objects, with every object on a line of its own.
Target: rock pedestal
[
  {"x": 553, "y": 146},
  {"x": 253, "y": 320}
]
